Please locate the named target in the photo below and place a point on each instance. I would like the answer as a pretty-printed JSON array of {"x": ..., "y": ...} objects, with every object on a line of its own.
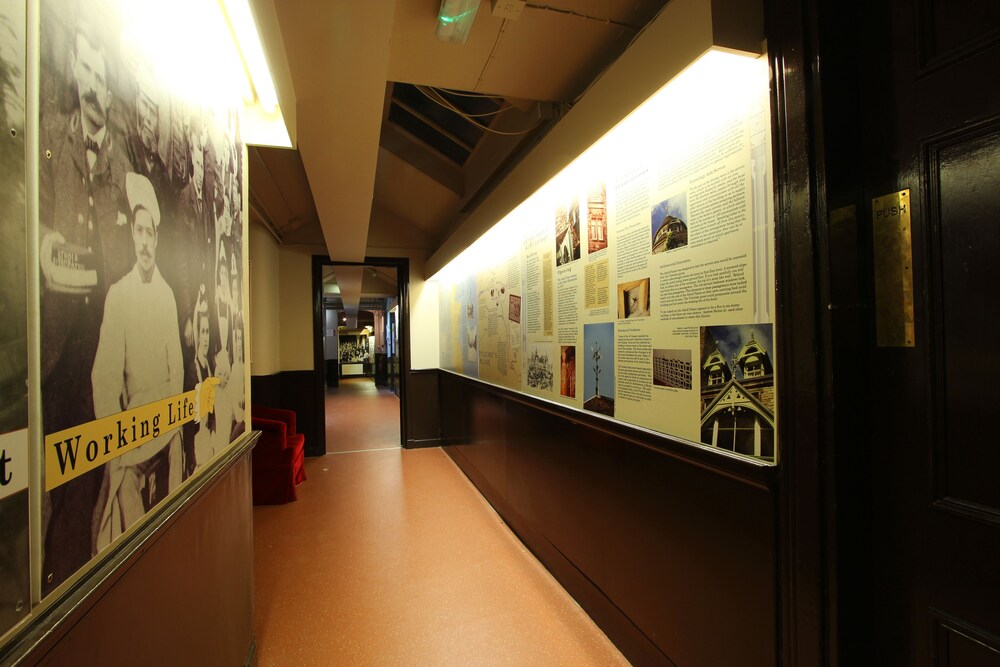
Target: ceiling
[
  {"x": 354, "y": 289},
  {"x": 383, "y": 163}
]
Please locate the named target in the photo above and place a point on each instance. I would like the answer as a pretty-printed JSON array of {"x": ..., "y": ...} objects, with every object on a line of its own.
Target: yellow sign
[{"x": 74, "y": 451}]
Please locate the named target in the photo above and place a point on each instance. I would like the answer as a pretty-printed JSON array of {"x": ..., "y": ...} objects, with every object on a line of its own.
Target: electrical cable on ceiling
[
  {"x": 438, "y": 92},
  {"x": 493, "y": 51},
  {"x": 470, "y": 118},
  {"x": 439, "y": 99},
  {"x": 448, "y": 105},
  {"x": 570, "y": 12},
  {"x": 461, "y": 93}
]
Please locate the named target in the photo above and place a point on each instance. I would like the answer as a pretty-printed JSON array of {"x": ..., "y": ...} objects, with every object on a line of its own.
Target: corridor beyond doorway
[{"x": 361, "y": 417}]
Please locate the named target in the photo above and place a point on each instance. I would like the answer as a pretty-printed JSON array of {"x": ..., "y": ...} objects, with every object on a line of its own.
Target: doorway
[{"x": 360, "y": 332}]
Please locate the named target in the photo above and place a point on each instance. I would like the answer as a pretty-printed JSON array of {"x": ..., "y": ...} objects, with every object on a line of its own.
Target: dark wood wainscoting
[
  {"x": 178, "y": 592},
  {"x": 301, "y": 391},
  {"x": 423, "y": 418},
  {"x": 670, "y": 548}
]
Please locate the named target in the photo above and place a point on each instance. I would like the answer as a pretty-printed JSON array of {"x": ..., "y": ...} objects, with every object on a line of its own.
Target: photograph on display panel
[
  {"x": 567, "y": 371},
  {"x": 633, "y": 299},
  {"x": 540, "y": 367},
  {"x": 669, "y": 224},
  {"x": 672, "y": 368},
  {"x": 141, "y": 282},
  {"x": 599, "y": 373},
  {"x": 14, "y": 464},
  {"x": 597, "y": 218},
  {"x": 568, "y": 233},
  {"x": 737, "y": 389}
]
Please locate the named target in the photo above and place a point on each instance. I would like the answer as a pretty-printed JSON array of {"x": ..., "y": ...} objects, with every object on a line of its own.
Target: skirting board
[{"x": 426, "y": 442}]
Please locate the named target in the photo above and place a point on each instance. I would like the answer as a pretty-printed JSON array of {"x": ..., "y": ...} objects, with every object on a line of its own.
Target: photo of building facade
[
  {"x": 597, "y": 218},
  {"x": 737, "y": 395},
  {"x": 672, "y": 368}
]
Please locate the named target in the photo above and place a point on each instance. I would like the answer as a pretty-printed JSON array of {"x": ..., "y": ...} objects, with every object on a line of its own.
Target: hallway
[
  {"x": 391, "y": 557},
  {"x": 361, "y": 417}
]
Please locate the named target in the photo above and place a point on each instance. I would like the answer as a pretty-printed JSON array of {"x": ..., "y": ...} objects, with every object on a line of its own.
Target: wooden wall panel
[
  {"x": 301, "y": 391},
  {"x": 668, "y": 552},
  {"x": 185, "y": 597},
  {"x": 265, "y": 390},
  {"x": 423, "y": 408}
]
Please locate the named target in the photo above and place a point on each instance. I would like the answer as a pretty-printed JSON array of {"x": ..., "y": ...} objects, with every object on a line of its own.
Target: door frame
[
  {"x": 402, "y": 266},
  {"x": 806, "y": 543}
]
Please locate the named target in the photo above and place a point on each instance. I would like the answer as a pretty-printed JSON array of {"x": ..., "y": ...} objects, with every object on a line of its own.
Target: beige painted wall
[
  {"x": 281, "y": 305},
  {"x": 424, "y": 352},
  {"x": 264, "y": 302},
  {"x": 296, "y": 299}
]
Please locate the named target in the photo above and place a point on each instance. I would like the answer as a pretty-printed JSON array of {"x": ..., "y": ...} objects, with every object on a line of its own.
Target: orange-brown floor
[
  {"x": 365, "y": 417},
  {"x": 391, "y": 557}
]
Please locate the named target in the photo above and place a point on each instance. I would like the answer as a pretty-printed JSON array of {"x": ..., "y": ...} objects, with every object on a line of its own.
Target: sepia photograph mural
[
  {"x": 14, "y": 461},
  {"x": 141, "y": 263}
]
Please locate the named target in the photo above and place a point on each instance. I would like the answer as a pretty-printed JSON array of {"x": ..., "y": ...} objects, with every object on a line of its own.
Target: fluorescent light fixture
[
  {"x": 226, "y": 67},
  {"x": 682, "y": 113},
  {"x": 262, "y": 128},
  {"x": 455, "y": 20},
  {"x": 248, "y": 44},
  {"x": 263, "y": 124}
]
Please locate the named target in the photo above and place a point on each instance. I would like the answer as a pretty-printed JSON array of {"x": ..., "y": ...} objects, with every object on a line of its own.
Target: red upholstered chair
[{"x": 278, "y": 457}]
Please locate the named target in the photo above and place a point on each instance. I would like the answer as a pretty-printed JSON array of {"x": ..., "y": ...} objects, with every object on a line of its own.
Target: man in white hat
[{"x": 138, "y": 361}]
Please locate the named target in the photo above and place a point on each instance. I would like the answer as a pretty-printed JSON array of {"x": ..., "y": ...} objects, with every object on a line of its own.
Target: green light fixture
[{"x": 455, "y": 20}]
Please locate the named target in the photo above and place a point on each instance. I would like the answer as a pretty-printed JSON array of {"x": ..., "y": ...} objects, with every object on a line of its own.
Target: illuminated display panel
[{"x": 656, "y": 243}]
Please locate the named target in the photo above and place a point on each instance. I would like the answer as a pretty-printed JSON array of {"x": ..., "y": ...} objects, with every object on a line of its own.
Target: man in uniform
[
  {"x": 143, "y": 142},
  {"x": 83, "y": 249},
  {"x": 138, "y": 362}
]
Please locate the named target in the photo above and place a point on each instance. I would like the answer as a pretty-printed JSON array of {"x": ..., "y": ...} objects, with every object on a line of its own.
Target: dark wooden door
[{"x": 911, "y": 100}]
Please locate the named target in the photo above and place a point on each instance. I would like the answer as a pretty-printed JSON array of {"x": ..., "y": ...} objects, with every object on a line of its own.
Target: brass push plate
[{"x": 893, "y": 270}]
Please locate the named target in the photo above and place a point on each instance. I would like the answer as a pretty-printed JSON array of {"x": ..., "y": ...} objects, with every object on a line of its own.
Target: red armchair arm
[
  {"x": 279, "y": 414},
  {"x": 271, "y": 428}
]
